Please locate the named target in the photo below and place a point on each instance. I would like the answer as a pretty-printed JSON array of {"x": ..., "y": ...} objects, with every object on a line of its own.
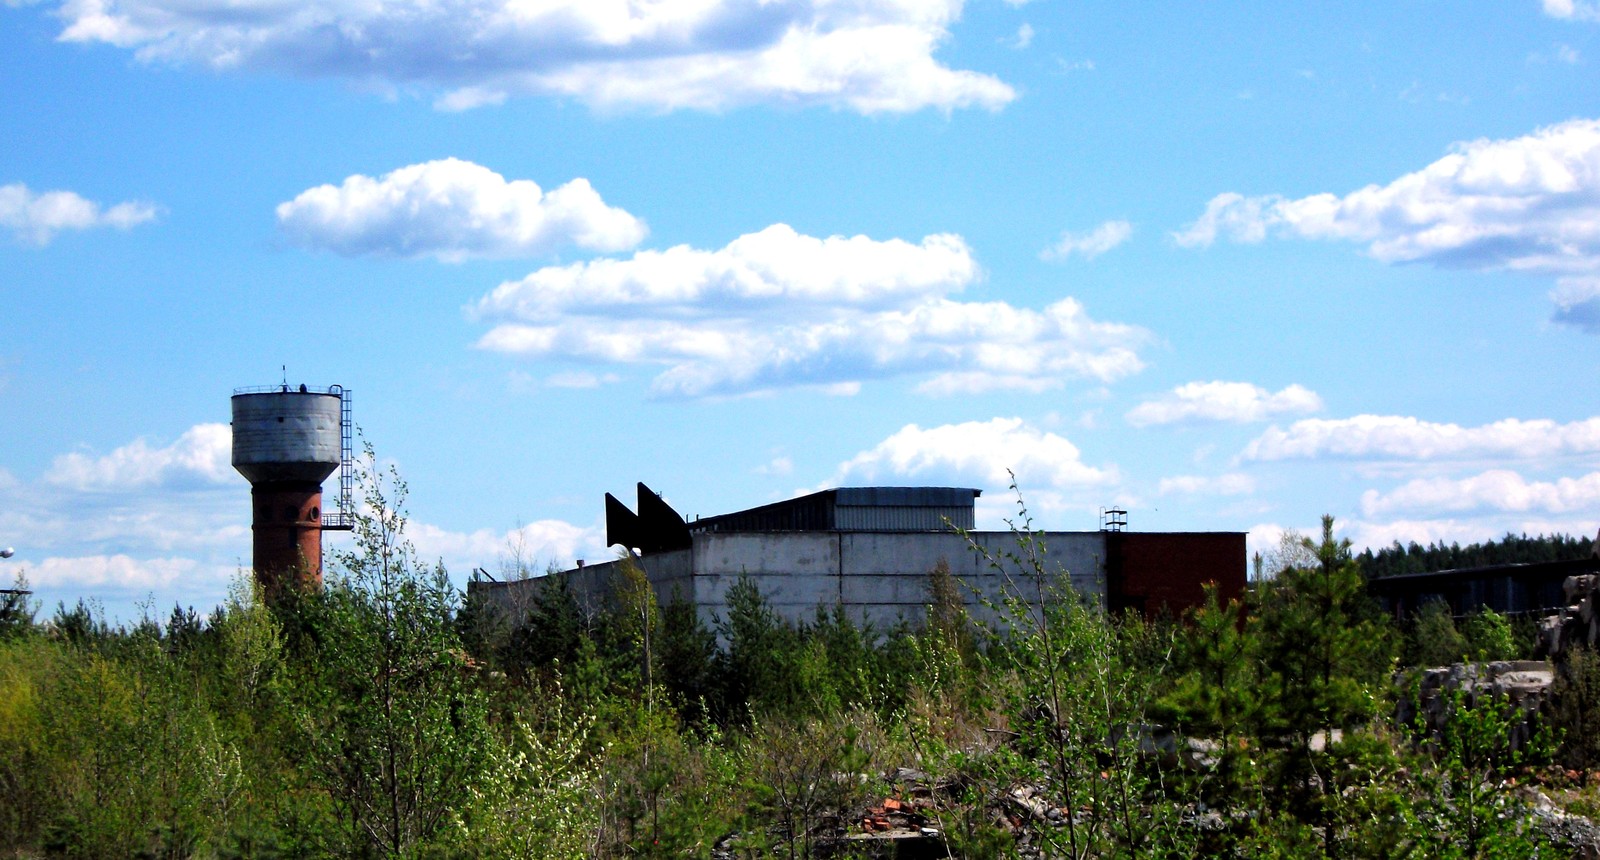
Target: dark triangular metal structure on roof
[
  {"x": 655, "y": 528},
  {"x": 622, "y": 525},
  {"x": 660, "y": 527}
]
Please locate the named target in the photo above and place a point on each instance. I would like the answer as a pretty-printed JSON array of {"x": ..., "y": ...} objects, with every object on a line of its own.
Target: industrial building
[
  {"x": 870, "y": 550},
  {"x": 1510, "y": 589}
]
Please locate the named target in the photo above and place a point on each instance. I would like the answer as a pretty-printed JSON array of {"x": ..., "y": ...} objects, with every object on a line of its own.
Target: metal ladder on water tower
[{"x": 344, "y": 520}]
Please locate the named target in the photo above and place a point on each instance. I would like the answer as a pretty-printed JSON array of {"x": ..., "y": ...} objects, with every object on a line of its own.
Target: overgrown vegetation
[{"x": 384, "y": 718}]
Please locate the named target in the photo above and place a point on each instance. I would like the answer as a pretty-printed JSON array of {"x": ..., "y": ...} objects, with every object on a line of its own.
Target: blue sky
[{"x": 1230, "y": 266}]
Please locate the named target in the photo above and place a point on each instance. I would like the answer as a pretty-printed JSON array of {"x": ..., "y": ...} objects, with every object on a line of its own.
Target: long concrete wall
[
  {"x": 593, "y": 585},
  {"x": 878, "y": 578}
]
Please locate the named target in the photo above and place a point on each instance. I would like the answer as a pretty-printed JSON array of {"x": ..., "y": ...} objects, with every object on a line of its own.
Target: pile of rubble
[
  {"x": 1523, "y": 684},
  {"x": 1578, "y": 624},
  {"x": 898, "y": 827}
]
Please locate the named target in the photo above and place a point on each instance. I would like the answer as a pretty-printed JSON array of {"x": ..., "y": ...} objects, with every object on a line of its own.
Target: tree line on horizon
[{"x": 1398, "y": 560}]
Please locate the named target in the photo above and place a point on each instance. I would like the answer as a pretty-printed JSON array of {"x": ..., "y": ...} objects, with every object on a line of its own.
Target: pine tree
[{"x": 1324, "y": 653}]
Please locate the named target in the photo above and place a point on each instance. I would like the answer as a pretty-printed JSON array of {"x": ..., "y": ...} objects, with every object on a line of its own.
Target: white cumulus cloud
[
  {"x": 113, "y": 573},
  {"x": 534, "y": 544},
  {"x": 975, "y": 453},
  {"x": 1091, "y": 244},
  {"x": 777, "y": 309},
  {"x": 201, "y": 456},
  {"x": 1496, "y": 489},
  {"x": 1530, "y": 203},
  {"x": 36, "y": 218},
  {"x": 869, "y": 56},
  {"x": 1238, "y": 402},
  {"x": 775, "y": 266},
  {"x": 452, "y": 210},
  {"x": 1405, "y": 438}
]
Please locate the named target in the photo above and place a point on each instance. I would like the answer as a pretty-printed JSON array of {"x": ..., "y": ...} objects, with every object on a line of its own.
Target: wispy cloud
[
  {"x": 1091, "y": 244},
  {"x": 1396, "y": 437},
  {"x": 201, "y": 456},
  {"x": 1463, "y": 530},
  {"x": 1573, "y": 10},
  {"x": 1237, "y": 402},
  {"x": 1230, "y": 484},
  {"x": 976, "y": 453}
]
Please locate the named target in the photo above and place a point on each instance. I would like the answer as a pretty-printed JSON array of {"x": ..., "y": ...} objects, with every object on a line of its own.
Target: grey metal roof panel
[
  {"x": 854, "y": 509},
  {"x": 906, "y": 497},
  {"x": 897, "y": 518}
]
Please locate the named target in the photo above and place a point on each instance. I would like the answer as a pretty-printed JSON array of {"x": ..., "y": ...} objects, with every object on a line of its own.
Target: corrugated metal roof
[
  {"x": 901, "y": 518},
  {"x": 931, "y": 497},
  {"x": 857, "y": 509}
]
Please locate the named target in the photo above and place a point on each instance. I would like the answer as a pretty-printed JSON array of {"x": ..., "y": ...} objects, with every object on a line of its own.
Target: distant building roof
[
  {"x": 857, "y": 509},
  {"x": 1534, "y": 587}
]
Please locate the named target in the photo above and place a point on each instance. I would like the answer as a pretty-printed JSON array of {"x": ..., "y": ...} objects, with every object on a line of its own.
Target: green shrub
[{"x": 536, "y": 797}]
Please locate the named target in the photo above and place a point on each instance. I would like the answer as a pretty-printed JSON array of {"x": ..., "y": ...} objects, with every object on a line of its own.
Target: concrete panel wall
[
  {"x": 901, "y": 554},
  {"x": 509, "y": 601},
  {"x": 886, "y": 575},
  {"x": 803, "y": 591},
  {"x": 795, "y": 571},
  {"x": 755, "y": 553},
  {"x": 878, "y": 578}
]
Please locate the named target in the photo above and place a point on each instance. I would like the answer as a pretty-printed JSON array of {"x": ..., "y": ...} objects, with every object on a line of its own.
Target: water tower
[{"x": 286, "y": 442}]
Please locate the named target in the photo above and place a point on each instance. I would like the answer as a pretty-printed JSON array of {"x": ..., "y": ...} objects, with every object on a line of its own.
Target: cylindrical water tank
[{"x": 286, "y": 436}]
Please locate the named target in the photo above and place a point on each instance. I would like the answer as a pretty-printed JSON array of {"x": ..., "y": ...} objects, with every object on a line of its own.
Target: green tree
[
  {"x": 688, "y": 650},
  {"x": 1434, "y": 639},
  {"x": 1575, "y": 696},
  {"x": 1214, "y": 667},
  {"x": 755, "y": 668},
  {"x": 536, "y": 800},
  {"x": 1490, "y": 637},
  {"x": 1475, "y": 812},
  {"x": 551, "y": 633},
  {"x": 16, "y": 609},
  {"x": 394, "y": 729},
  {"x": 1325, "y": 652}
]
